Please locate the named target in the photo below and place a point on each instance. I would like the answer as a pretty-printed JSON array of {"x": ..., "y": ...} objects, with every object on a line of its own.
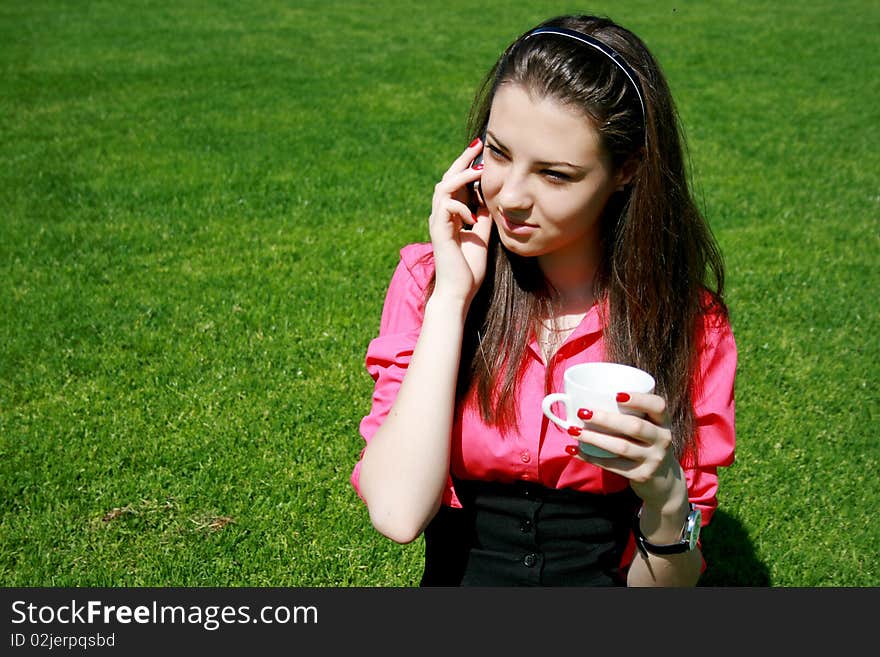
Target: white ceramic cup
[{"x": 594, "y": 386}]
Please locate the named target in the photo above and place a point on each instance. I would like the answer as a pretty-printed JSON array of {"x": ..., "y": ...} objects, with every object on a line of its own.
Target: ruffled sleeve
[
  {"x": 714, "y": 406},
  {"x": 713, "y": 400},
  {"x": 388, "y": 355}
]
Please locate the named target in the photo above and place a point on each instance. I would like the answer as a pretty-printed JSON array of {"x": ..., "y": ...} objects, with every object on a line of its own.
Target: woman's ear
[{"x": 628, "y": 171}]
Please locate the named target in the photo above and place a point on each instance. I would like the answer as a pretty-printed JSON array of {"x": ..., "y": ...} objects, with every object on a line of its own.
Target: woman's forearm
[
  {"x": 664, "y": 570},
  {"x": 406, "y": 464}
]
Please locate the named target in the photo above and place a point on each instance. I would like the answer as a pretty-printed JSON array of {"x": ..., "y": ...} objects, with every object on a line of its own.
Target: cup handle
[{"x": 547, "y": 407}]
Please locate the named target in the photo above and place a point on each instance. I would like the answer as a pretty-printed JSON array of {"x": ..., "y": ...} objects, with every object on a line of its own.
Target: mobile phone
[{"x": 475, "y": 193}]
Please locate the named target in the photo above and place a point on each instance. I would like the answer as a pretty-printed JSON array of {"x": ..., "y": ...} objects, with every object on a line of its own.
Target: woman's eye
[
  {"x": 495, "y": 152},
  {"x": 557, "y": 176}
]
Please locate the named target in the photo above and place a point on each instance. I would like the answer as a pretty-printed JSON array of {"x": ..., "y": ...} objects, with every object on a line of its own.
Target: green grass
[{"x": 201, "y": 204}]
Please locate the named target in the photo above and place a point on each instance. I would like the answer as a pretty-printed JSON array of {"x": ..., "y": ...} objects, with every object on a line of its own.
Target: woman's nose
[{"x": 514, "y": 193}]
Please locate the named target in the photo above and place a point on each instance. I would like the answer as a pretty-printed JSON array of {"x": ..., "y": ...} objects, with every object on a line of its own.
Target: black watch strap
[{"x": 689, "y": 533}]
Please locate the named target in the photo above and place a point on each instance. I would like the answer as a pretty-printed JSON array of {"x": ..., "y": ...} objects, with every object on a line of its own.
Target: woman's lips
[{"x": 517, "y": 227}]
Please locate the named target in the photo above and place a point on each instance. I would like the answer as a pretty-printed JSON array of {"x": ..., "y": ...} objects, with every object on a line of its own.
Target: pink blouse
[{"x": 536, "y": 451}]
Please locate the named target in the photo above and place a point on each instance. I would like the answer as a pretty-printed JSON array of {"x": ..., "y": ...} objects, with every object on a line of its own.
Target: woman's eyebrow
[
  {"x": 561, "y": 164},
  {"x": 543, "y": 163},
  {"x": 496, "y": 140}
]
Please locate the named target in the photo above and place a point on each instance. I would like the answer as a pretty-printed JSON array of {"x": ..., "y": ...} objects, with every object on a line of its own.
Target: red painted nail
[
  {"x": 474, "y": 142},
  {"x": 622, "y": 397},
  {"x": 574, "y": 431},
  {"x": 478, "y": 167},
  {"x": 585, "y": 413},
  {"x": 571, "y": 450}
]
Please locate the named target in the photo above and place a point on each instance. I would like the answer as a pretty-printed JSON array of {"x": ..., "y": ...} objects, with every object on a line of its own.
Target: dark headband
[{"x": 608, "y": 51}]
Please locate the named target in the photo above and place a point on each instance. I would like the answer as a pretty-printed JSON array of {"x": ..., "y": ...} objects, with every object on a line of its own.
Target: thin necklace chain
[
  {"x": 548, "y": 338},
  {"x": 551, "y": 338}
]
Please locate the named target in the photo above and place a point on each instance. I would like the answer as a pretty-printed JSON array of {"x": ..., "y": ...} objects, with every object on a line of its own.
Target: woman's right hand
[{"x": 459, "y": 254}]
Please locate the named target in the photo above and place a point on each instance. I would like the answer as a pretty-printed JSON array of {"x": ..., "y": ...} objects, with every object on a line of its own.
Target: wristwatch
[{"x": 689, "y": 535}]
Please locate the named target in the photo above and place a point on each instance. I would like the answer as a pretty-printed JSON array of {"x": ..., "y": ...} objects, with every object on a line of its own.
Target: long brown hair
[{"x": 661, "y": 268}]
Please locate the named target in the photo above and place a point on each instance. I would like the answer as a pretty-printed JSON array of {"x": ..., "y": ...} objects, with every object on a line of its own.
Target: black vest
[{"x": 524, "y": 534}]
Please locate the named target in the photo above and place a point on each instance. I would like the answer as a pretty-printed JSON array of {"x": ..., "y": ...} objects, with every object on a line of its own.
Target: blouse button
[
  {"x": 530, "y": 560},
  {"x": 525, "y": 526},
  {"x": 525, "y": 457}
]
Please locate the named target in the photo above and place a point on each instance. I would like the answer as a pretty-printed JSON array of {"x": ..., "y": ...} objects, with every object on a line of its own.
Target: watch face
[{"x": 695, "y": 521}]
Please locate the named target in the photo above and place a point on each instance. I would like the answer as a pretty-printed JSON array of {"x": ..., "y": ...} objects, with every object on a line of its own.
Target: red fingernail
[
  {"x": 478, "y": 167},
  {"x": 622, "y": 397},
  {"x": 571, "y": 450},
  {"x": 474, "y": 142},
  {"x": 585, "y": 413},
  {"x": 574, "y": 431}
]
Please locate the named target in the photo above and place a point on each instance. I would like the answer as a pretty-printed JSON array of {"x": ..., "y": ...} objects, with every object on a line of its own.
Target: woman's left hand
[{"x": 643, "y": 448}]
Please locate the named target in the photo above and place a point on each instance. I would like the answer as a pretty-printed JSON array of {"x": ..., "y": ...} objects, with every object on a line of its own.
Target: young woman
[{"x": 586, "y": 245}]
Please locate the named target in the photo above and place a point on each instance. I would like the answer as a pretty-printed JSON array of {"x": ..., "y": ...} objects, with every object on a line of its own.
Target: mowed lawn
[{"x": 201, "y": 205}]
